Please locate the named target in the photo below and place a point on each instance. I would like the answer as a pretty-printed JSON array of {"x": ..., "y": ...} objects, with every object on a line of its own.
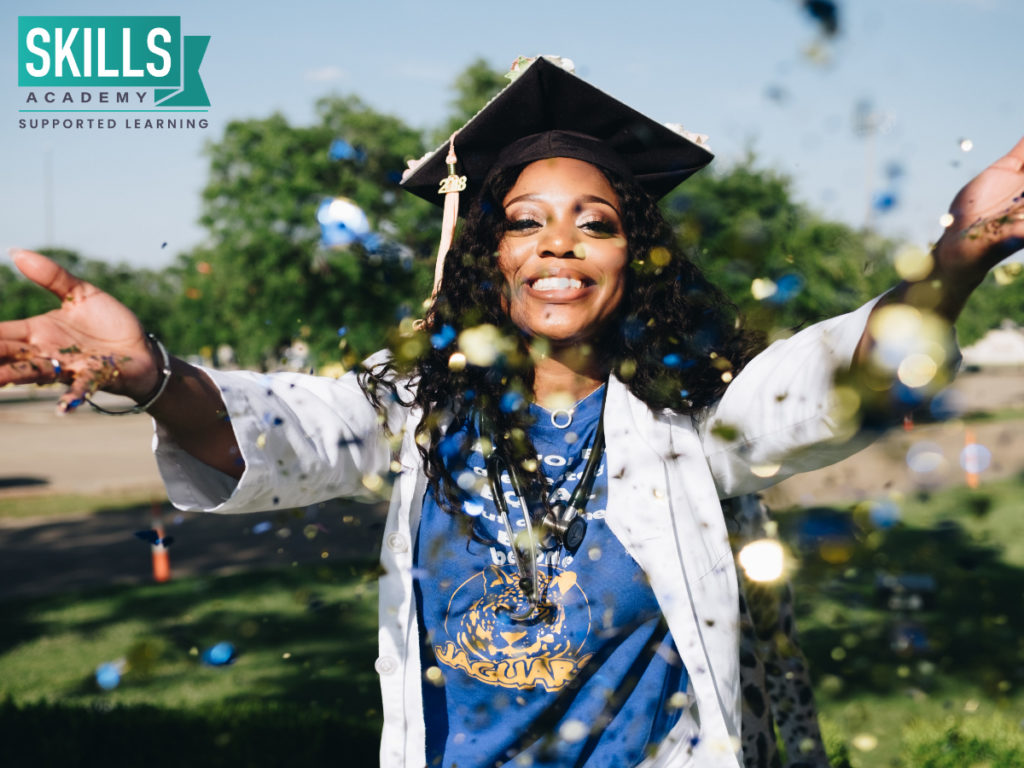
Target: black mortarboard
[{"x": 550, "y": 112}]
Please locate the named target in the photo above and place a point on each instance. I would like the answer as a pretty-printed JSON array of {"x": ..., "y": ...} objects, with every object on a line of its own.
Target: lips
[{"x": 556, "y": 284}]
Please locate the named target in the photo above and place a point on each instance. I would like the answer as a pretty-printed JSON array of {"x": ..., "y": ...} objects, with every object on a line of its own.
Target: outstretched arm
[
  {"x": 93, "y": 342},
  {"x": 987, "y": 225}
]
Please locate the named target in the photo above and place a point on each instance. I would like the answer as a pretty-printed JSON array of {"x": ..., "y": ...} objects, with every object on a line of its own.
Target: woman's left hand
[{"x": 988, "y": 222}]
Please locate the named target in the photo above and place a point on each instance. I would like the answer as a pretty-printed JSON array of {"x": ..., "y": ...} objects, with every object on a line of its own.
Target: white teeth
[{"x": 556, "y": 284}]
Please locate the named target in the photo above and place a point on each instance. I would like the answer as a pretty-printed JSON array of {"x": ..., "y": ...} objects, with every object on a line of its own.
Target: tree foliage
[
  {"x": 261, "y": 279},
  {"x": 742, "y": 225}
]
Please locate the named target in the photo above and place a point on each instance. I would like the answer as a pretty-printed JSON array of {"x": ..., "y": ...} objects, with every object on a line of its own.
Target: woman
[{"x": 571, "y": 368}]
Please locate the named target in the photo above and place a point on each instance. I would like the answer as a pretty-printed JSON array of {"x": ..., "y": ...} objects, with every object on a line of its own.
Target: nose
[{"x": 559, "y": 238}]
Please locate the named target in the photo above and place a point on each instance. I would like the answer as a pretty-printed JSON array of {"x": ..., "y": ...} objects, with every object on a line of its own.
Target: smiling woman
[
  {"x": 562, "y": 429},
  {"x": 564, "y": 253}
]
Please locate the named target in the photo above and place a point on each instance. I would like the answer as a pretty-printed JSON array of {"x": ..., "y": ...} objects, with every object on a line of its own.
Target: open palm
[
  {"x": 91, "y": 341},
  {"x": 988, "y": 218}
]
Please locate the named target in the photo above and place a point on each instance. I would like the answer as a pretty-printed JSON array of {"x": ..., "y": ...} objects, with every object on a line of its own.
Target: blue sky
[{"x": 752, "y": 74}]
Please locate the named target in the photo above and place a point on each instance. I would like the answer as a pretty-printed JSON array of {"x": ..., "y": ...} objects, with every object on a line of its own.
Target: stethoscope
[{"x": 561, "y": 523}]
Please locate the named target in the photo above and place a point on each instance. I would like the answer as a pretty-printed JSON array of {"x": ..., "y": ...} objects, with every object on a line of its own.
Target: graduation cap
[{"x": 547, "y": 111}]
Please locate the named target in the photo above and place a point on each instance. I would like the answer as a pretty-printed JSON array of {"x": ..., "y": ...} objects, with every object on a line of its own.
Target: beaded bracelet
[{"x": 161, "y": 385}]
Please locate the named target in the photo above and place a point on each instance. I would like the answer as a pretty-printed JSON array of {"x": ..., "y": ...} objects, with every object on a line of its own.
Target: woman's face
[{"x": 564, "y": 254}]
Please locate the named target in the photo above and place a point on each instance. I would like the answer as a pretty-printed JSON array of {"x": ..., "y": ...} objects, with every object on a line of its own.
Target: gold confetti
[
  {"x": 763, "y": 560},
  {"x": 865, "y": 742},
  {"x": 913, "y": 263}
]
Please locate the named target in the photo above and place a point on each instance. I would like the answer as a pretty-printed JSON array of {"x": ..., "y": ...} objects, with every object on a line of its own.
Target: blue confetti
[
  {"x": 219, "y": 655},
  {"x": 262, "y": 527},
  {"x": 154, "y": 538},
  {"x": 511, "y": 402},
  {"x": 885, "y": 202},
  {"x": 108, "y": 675},
  {"x": 443, "y": 338},
  {"x": 672, "y": 360},
  {"x": 343, "y": 330},
  {"x": 342, "y": 222},
  {"x": 786, "y": 288},
  {"x": 342, "y": 150},
  {"x": 884, "y": 514}
]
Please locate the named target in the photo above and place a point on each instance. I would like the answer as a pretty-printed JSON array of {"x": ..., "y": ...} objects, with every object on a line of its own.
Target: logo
[
  {"x": 102, "y": 65},
  {"x": 489, "y": 645}
]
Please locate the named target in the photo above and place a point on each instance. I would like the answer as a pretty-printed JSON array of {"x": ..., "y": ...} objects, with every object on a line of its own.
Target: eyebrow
[{"x": 536, "y": 196}]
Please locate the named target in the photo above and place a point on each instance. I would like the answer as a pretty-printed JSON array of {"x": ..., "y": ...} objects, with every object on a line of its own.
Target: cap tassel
[{"x": 450, "y": 188}]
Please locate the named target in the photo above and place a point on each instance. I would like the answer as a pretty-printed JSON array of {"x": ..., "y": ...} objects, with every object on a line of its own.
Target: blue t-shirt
[{"x": 589, "y": 679}]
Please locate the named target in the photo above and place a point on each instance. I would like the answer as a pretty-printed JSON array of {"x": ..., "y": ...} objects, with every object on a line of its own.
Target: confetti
[
  {"x": 154, "y": 538},
  {"x": 108, "y": 674},
  {"x": 573, "y": 730},
  {"x": 219, "y": 655},
  {"x": 342, "y": 222},
  {"x": 763, "y": 560}
]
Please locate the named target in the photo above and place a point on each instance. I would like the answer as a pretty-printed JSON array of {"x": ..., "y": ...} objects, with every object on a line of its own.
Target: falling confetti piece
[
  {"x": 865, "y": 742},
  {"x": 762, "y": 287},
  {"x": 763, "y": 560},
  {"x": 913, "y": 263},
  {"x": 573, "y": 730},
  {"x": 153, "y": 537},
  {"x": 966, "y": 145},
  {"x": 219, "y": 655},
  {"x": 975, "y": 458},
  {"x": 108, "y": 674}
]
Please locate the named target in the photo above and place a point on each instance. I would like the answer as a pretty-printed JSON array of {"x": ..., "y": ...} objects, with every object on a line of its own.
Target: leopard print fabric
[{"x": 776, "y": 687}]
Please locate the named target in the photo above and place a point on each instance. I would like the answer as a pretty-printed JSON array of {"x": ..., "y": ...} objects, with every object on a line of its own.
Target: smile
[{"x": 556, "y": 284}]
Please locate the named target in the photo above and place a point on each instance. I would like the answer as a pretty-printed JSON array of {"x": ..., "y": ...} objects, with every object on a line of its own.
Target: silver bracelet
[{"x": 165, "y": 377}]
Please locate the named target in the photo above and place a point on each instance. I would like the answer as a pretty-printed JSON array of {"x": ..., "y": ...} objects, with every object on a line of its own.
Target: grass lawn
[
  {"x": 882, "y": 670},
  {"x": 303, "y": 691},
  {"x": 68, "y": 504},
  {"x": 305, "y": 641}
]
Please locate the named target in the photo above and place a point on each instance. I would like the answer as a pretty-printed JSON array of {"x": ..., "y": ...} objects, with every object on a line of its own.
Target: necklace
[{"x": 562, "y": 417}]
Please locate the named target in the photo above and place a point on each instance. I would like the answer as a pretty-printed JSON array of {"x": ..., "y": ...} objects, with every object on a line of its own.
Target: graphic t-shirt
[{"x": 593, "y": 677}]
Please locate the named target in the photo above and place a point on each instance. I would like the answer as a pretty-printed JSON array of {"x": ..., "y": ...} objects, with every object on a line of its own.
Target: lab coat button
[
  {"x": 397, "y": 542},
  {"x": 385, "y": 665}
]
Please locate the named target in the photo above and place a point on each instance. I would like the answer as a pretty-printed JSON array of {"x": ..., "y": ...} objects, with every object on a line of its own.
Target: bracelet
[{"x": 158, "y": 390}]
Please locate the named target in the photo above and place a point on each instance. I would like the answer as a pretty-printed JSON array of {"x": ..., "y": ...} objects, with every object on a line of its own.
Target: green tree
[
  {"x": 742, "y": 225},
  {"x": 262, "y": 280}
]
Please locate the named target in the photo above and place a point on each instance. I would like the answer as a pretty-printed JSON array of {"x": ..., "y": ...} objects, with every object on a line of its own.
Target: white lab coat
[{"x": 305, "y": 439}]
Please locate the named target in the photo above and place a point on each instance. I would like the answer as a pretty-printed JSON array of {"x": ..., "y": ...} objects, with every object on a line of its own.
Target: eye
[
  {"x": 522, "y": 224},
  {"x": 600, "y": 228}
]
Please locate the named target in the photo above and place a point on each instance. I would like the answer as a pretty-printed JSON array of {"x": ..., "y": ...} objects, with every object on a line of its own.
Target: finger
[
  {"x": 16, "y": 350},
  {"x": 46, "y": 273},
  {"x": 82, "y": 385},
  {"x": 33, "y": 370},
  {"x": 14, "y": 329},
  {"x": 1013, "y": 160},
  {"x": 23, "y": 372}
]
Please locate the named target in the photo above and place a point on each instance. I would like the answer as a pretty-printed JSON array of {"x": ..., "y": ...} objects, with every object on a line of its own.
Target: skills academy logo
[{"x": 109, "y": 73}]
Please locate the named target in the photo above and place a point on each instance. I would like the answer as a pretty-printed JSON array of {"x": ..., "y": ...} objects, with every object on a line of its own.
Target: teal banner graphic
[{"x": 113, "y": 52}]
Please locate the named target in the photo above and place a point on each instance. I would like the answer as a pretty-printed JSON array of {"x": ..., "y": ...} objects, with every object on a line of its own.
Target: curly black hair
[{"x": 676, "y": 340}]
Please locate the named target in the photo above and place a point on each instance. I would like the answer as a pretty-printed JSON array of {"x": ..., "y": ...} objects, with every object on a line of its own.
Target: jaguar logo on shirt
[{"x": 489, "y": 645}]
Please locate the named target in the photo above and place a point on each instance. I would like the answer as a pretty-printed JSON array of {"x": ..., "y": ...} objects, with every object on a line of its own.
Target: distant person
[{"x": 558, "y": 587}]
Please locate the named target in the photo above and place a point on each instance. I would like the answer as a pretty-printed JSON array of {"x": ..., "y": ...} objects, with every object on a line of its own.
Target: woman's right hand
[{"x": 91, "y": 342}]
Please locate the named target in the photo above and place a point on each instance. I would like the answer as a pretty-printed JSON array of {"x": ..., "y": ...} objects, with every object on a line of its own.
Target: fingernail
[{"x": 67, "y": 406}]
